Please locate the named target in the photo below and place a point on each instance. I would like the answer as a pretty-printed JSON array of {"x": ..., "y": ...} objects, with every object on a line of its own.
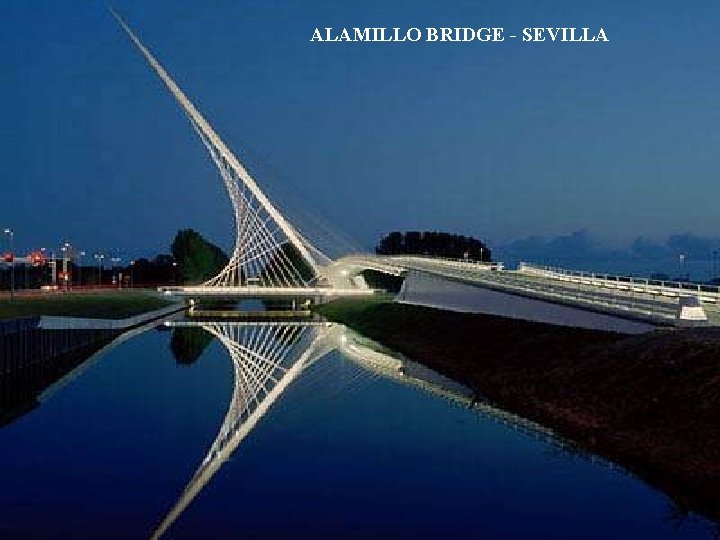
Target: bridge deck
[
  {"x": 262, "y": 292},
  {"x": 628, "y": 297}
]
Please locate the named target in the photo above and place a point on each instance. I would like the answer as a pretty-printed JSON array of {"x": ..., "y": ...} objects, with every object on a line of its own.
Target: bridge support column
[{"x": 691, "y": 312}]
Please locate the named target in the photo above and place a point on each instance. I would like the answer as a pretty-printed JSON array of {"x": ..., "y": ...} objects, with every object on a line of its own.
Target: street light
[
  {"x": 682, "y": 258},
  {"x": 66, "y": 250},
  {"x": 48, "y": 262},
  {"x": 115, "y": 263},
  {"x": 52, "y": 263},
  {"x": 79, "y": 268},
  {"x": 99, "y": 257},
  {"x": 11, "y": 236}
]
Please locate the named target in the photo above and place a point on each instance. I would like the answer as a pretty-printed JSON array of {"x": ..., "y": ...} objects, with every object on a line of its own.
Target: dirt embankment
[{"x": 650, "y": 403}]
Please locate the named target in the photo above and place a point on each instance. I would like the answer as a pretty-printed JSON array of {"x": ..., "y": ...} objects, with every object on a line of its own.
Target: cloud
[
  {"x": 576, "y": 245},
  {"x": 696, "y": 247},
  {"x": 583, "y": 245}
]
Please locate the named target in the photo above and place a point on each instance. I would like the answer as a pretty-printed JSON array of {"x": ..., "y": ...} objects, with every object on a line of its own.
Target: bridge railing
[
  {"x": 704, "y": 292},
  {"x": 489, "y": 265},
  {"x": 404, "y": 262}
]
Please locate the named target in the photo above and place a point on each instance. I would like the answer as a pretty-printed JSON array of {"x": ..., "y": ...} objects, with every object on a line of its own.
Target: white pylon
[{"x": 265, "y": 241}]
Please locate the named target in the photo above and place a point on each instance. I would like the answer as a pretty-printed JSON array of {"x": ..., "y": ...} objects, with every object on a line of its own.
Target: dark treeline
[
  {"x": 197, "y": 259},
  {"x": 193, "y": 260},
  {"x": 188, "y": 344},
  {"x": 161, "y": 270},
  {"x": 26, "y": 276},
  {"x": 435, "y": 244},
  {"x": 289, "y": 258}
]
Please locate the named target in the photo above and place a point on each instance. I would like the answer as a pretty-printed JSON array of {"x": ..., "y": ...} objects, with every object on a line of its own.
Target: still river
[{"x": 297, "y": 431}]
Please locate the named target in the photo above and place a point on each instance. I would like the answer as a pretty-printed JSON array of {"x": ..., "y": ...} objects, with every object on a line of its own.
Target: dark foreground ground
[{"x": 650, "y": 403}]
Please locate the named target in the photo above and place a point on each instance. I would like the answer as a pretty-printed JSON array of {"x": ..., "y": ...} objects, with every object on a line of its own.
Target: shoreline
[{"x": 649, "y": 403}]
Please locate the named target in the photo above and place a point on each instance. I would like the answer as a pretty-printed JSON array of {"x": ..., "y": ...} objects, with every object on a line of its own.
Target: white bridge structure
[{"x": 271, "y": 257}]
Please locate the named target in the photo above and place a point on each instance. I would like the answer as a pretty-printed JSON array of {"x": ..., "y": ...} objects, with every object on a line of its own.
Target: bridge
[{"x": 273, "y": 258}]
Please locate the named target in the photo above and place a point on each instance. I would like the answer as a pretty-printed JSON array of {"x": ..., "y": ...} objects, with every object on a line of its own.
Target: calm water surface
[{"x": 346, "y": 450}]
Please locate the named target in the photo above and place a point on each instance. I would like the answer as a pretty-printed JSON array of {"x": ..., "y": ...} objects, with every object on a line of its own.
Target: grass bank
[
  {"x": 650, "y": 403},
  {"x": 105, "y": 305}
]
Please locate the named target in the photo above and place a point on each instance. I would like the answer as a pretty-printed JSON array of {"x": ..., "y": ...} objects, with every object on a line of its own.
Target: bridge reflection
[{"x": 268, "y": 356}]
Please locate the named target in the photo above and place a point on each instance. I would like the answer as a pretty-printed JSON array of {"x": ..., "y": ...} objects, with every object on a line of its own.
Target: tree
[
  {"x": 198, "y": 260},
  {"x": 187, "y": 344},
  {"x": 289, "y": 258},
  {"x": 435, "y": 244}
]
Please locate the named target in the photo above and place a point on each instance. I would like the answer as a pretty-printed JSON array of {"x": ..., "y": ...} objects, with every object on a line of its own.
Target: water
[{"x": 353, "y": 447}]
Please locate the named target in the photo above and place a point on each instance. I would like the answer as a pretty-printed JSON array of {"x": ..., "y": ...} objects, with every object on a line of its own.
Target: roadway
[{"x": 629, "y": 297}]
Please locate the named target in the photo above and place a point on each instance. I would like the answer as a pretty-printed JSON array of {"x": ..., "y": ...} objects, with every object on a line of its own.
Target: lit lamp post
[
  {"x": 99, "y": 257},
  {"x": 43, "y": 251},
  {"x": 28, "y": 260},
  {"x": 66, "y": 249},
  {"x": 79, "y": 268},
  {"x": 11, "y": 237},
  {"x": 682, "y": 258},
  {"x": 115, "y": 263},
  {"x": 53, "y": 266}
]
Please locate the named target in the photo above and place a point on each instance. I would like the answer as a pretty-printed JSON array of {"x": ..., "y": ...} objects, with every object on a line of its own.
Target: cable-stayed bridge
[{"x": 272, "y": 257}]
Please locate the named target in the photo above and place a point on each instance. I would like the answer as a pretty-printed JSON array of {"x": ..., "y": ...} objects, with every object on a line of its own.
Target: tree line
[{"x": 434, "y": 244}]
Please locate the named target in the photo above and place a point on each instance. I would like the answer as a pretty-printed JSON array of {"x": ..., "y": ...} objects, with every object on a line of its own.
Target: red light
[
  {"x": 8, "y": 257},
  {"x": 36, "y": 257}
]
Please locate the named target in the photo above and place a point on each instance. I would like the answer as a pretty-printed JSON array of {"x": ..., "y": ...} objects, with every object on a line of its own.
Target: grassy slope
[
  {"x": 649, "y": 402},
  {"x": 117, "y": 305}
]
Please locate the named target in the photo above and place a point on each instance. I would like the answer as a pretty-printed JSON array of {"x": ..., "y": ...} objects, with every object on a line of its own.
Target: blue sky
[{"x": 499, "y": 141}]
